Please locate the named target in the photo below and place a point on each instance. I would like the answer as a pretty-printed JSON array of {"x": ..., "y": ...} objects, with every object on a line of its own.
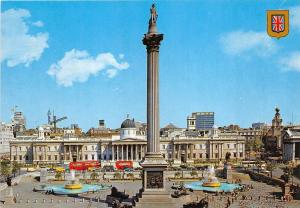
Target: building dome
[{"x": 128, "y": 123}]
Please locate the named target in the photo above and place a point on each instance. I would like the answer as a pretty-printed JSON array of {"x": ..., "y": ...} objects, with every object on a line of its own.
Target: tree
[
  {"x": 271, "y": 166},
  {"x": 130, "y": 175},
  {"x": 117, "y": 175},
  {"x": 5, "y": 168},
  {"x": 258, "y": 164},
  {"x": 58, "y": 176},
  {"x": 177, "y": 174},
  {"x": 194, "y": 173},
  {"x": 94, "y": 175},
  {"x": 15, "y": 167}
]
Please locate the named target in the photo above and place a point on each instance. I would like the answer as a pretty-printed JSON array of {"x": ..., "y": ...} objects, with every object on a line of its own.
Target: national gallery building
[{"x": 128, "y": 143}]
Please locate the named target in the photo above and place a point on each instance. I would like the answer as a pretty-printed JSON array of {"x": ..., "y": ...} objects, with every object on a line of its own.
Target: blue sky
[{"x": 86, "y": 60}]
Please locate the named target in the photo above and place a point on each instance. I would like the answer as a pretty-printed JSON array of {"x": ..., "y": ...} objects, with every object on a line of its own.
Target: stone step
[{"x": 155, "y": 201}]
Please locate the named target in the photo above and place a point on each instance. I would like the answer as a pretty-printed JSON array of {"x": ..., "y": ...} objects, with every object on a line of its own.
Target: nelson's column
[{"x": 153, "y": 164}]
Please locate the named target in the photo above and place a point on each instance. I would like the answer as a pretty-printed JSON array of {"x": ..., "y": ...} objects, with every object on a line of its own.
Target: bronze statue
[{"x": 154, "y": 15}]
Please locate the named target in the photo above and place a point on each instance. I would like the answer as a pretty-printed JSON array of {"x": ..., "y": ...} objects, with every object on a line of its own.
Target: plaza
[{"x": 259, "y": 195}]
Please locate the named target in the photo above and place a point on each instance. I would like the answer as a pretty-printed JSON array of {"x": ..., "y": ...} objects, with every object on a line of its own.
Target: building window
[
  {"x": 164, "y": 155},
  {"x": 62, "y": 158},
  {"x": 228, "y": 146},
  {"x": 241, "y": 154},
  {"x": 217, "y": 155},
  {"x": 206, "y": 155},
  {"x": 26, "y": 157},
  {"x": 85, "y": 157},
  {"x": 234, "y": 154},
  {"x": 234, "y": 145},
  {"x": 194, "y": 155},
  {"x": 20, "y": 148},
  {"x": 56, "y": 148},
  {"x": 68, "y": 157},
  {"x": 164, "y": 146},
  {"x": 49, "y": 149},
  {"x": 20, "y": 157},
  {"x": 15, "y": 157},
  {"x": 200, "y": 155},
  {"x": 93, "y": 157},
  {"x": 200, "y": 146},
  {"x": 85, "y": 147},
  {"x": 55, "y": 157},
  {"x": 216, "y": 146},
  {"x": 169, "y": 155},
  {"x": 40, "y": 157},
  {"x": 40, "y": 148},
  {"x": 49, "y": 157}
]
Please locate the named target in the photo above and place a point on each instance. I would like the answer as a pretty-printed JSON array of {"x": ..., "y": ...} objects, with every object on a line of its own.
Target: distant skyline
[{"x": 86, "y": 61}]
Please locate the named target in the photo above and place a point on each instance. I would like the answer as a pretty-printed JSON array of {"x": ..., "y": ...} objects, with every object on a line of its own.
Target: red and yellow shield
[{"x": 278, "y": 23}]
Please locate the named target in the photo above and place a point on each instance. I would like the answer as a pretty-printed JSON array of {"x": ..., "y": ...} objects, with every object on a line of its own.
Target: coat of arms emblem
[{"x": 278, "y": 23}]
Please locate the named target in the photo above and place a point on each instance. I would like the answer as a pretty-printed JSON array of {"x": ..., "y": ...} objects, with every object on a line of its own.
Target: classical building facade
[
  {"x": 177, "y": 145},
  {"x": 6, "y": 135},
  {"x": 291, "y": 144}
]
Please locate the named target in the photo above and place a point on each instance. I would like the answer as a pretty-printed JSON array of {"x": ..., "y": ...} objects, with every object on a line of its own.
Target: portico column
[
  {"x": 293, "y": 152},
  {"x": 191, "y": 151},
  {"x": 173, "y": 151},
  {"x": 136, "y": 152},
  {"x": 117, "y": 152},
  {"x": 122, "y": 147},
  {"x": 127, "y": 152},
  {"x": 113, "y": 152},
  {"x": 131, "y": 153},
  {"x": 186, "y": 152}
]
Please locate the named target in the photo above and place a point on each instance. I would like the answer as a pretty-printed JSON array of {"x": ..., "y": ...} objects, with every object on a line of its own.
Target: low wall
[{"x": 264, "y": 178}]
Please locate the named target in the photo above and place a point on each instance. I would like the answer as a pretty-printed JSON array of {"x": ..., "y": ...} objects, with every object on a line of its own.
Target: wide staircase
[{"x": 153, "y": 200}]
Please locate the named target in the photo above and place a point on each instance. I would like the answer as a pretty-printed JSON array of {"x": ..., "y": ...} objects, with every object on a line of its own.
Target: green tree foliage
[
  {"x": 94, "y": 175},
  {"x": 117, "y": 175},
  {"x": 58, "y": 176},
  {"x": 254, "y": 144},
  {"x": 194, "y": 173},
  {"x": 15, "y": 167},
  {"x": 271, "y": 166},
  {"x": 177, "y": 174},
  {"x": 5, "y": 168}
]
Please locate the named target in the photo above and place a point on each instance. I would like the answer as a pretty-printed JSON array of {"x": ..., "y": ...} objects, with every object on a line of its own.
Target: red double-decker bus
[
  {"x": 122, "y": 164},
  {"x": 84, "y": 165}
]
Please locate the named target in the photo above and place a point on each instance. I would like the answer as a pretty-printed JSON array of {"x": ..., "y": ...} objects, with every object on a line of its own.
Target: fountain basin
[
  {"x": 61, "y": 190},
  {"x": 199, "y": 186}
]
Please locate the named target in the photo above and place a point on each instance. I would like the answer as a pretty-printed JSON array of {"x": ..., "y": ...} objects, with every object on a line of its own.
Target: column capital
[{"x": 152, "y": 41}]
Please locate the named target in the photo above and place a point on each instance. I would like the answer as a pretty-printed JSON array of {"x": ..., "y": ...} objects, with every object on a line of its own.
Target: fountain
[
  {"x": 72, "y": 187},
  {"x": 211, "y": 180},
  {"x": 73, "y": 184},
  {"x": 210, "y": 183}
]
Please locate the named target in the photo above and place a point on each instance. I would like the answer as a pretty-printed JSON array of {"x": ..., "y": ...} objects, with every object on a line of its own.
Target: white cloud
[
  {"x": 291, "y": 62},
  {"x": 111, "y": 73},
  {"x": 295, "y": 18},
  {"x": 38, "y": 24},
  {"x": 240, "y": 42},
  {"x": 18, "y": 46},
  {"x": 78, "y": 66}
]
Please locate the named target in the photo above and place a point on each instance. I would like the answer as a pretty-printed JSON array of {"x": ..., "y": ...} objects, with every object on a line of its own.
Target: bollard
[
  {"x": 35, "y": 201},
  {"x": 44, "y": 200},
  {"x": 51, "y": 200},
  {"x": 67, "y": 201},
  {"x": 27, "y": 201}
]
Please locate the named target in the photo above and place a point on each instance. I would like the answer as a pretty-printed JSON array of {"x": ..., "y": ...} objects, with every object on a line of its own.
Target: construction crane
[{"x": 55, "y": 121}]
